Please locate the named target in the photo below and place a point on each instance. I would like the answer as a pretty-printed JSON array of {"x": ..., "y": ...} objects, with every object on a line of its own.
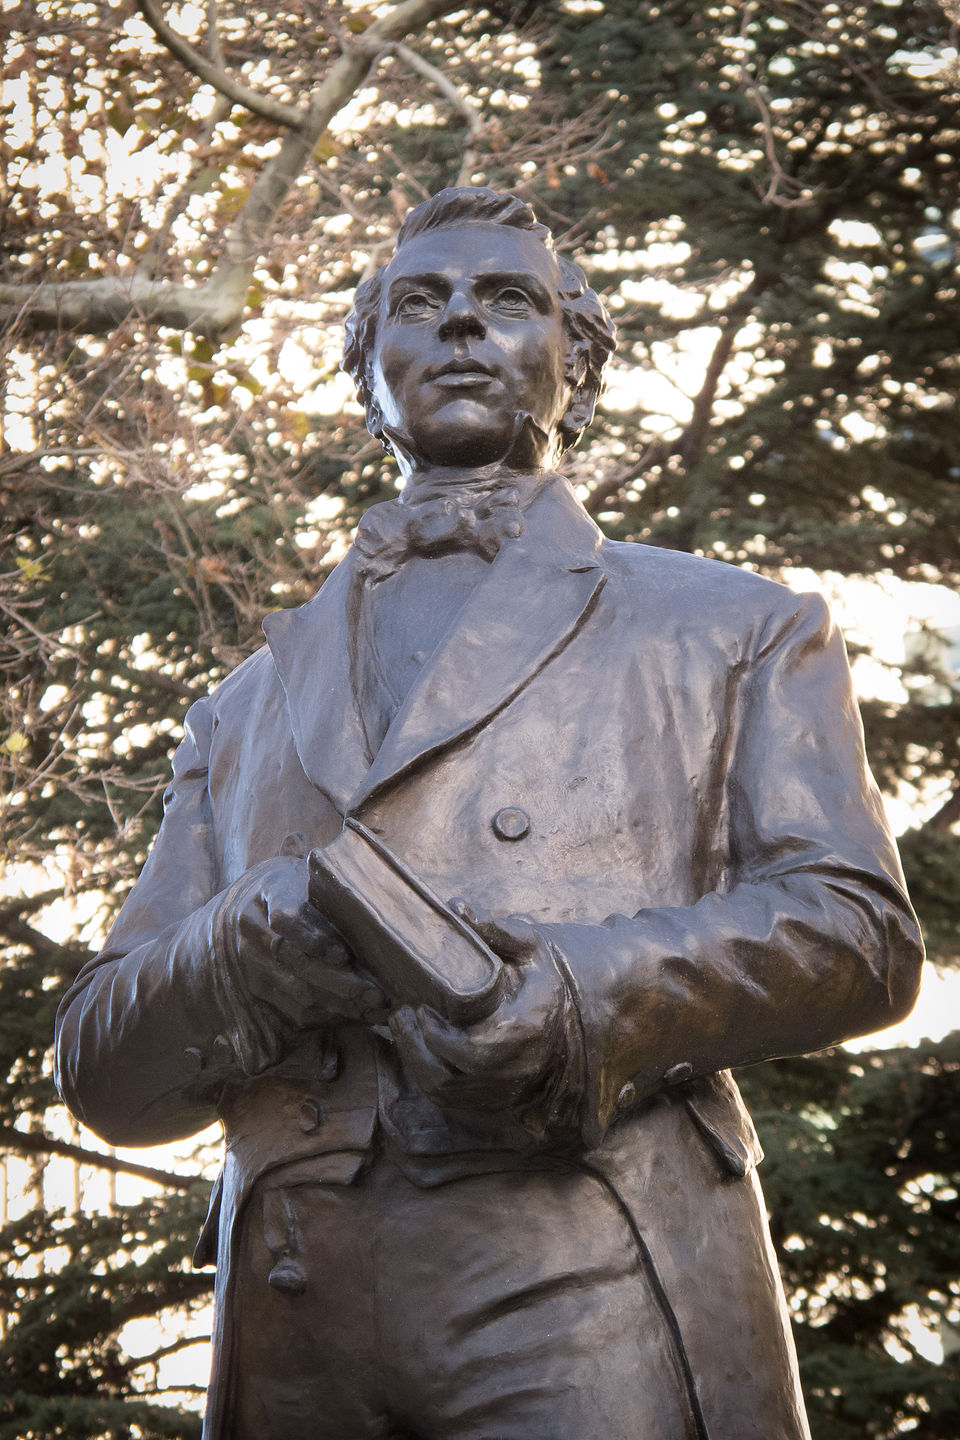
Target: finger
[
  {"x": 421, "y": 1066},
  {"x": 252, "y": 936},
  {"x": 367, "y": 1003},
  {"x": 303, "y": 990},
  {"x": 344, "y": 985},
  {"x": 305, "y": 928},
  {"x": 284, "y": 993},
  {"x": 511, "y": 937},
  {"x": 458, "y": 1076},
  {"x": 495, "y": 1044},
  {"x": 445, "y": 1042},
  {"x": 467, "y": 912}
]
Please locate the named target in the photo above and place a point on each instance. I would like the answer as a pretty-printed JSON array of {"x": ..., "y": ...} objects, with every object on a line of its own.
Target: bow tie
[{"x": 442, "y": 519}]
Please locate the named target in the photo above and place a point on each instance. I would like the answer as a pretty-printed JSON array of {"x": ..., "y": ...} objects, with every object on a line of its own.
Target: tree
[{"x": 765, "y": 194}]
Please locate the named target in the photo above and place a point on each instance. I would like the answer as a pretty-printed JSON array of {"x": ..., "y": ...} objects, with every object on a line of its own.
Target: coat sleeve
[
  {"x": 153, "y": 1025},
  {"x": 811, "y": 941}
]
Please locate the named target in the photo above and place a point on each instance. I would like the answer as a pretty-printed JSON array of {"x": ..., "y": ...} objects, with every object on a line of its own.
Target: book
[{"x": 418, "y": 950}]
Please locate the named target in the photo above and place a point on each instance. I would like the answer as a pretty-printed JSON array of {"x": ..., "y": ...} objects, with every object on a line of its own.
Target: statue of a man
[{"x": 632, "y": 779}]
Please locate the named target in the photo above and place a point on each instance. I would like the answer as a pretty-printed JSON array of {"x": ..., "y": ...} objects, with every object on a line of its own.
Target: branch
[
  {"x": 14, "y": 910},
  {"x": 213, "y": 74},
  {"x": 174, "y": 1348},
  {"x": 461, "y": 103},
  {"x": 778, "y": 176},
  {"x": 151, "y": 254},
  {"x": 18, "y": 932},
  {"x": 446, "y": 86},
  {"x": 215, "y": 308},
  {"x": 872, "y": 179},
  {"x": 214, "y": 47},
  {"x": 249, "y": 233},
  {"x": 172, "y": 684},
  {"x": 36, "y": 1143},
  {"x": 944, "y": 819},
  {"x": 97, "y": 306},
  {"x": 610, "y": 486},
  {"x": 691, "y": 442},
  {"x": 180, "y": 1389},
  {"x": 26, "y": 459},
  {"x": 772, "y": 195}
]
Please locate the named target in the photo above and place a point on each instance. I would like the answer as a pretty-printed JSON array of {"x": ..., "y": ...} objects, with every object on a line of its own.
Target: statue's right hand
[{"x": 289, "y": 958}]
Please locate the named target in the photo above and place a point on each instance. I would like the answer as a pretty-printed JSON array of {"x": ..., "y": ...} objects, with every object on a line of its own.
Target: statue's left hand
[{"x": 503, "y": 1060}]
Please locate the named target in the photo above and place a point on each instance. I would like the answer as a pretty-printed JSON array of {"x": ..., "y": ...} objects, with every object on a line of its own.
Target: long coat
[{"x": 705, "y": 849}]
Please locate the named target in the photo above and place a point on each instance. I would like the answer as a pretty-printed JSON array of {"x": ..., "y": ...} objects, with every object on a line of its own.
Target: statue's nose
[{"x": 460, "y": 317}]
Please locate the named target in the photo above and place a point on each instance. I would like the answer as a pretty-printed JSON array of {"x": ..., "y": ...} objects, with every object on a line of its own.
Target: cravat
[{"x": 437, "y": 520}]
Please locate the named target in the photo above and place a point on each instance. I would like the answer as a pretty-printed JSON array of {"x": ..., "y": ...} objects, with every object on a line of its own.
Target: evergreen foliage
[{"x": 766, "y": 193}]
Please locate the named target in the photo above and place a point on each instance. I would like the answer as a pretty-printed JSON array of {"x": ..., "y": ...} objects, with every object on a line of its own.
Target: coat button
[
  {"x": 511, "y": 823},
  {"x": 309, "y": 1117},
  {"x": 677, "y": 1074},
  {"x": 288, "y": 1275},
  {"x": 627, "y": 1096}
]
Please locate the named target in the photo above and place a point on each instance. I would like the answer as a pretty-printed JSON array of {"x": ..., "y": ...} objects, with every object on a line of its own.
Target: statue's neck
[
  {"x": 466, "y": 482},
  {"x": 530, "y": 451}
]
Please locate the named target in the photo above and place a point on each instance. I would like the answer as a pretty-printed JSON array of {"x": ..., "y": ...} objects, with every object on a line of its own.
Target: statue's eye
[
  {"x": 414, "y": 306},
  {"x": 511, "y": 301}
]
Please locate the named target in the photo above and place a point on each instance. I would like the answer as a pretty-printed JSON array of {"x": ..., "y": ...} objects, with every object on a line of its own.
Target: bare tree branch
[
  {"x": 36, "y": 1143},
  {"x": 216, "y": 307},
  {"x": 946, "y": 817},
  {"x": 18, "y": 932},
  {"x": 782, "y": 189},
  {"x": 464, "y": 106},
  {"x": 214, "y": 47},
  {"x": 174, "y": 1348},
  {"x": 27, "y": 459},
  {"x": 97, "y": 306},
  {"x": 609, "y": 486},
  {"x": 152, "y": 254},
  {"x": 251, "y": 229},
  {"x": 755, "y": 92},
  {"x": 691, "y": 442},
  {"x": 213, "y": 74}
]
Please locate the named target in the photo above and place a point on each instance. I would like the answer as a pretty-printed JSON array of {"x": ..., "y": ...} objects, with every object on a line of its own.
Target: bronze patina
[{"x": 472, "y": 885}]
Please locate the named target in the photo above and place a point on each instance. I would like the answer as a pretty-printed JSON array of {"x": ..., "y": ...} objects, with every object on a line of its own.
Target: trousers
[{"x": 505, "y": 1306}]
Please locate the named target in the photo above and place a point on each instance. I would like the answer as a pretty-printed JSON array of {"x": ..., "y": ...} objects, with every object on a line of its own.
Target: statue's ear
[
  {"x": 584, "y": 393},
  {"x": 374, "y": 415}
]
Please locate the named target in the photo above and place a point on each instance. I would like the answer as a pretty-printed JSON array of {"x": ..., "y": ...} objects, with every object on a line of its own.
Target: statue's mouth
[{"x": 461, "y": 372}]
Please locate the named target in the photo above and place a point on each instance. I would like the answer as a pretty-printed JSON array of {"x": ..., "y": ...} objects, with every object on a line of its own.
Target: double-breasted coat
[{"x": 704, "y": 848}]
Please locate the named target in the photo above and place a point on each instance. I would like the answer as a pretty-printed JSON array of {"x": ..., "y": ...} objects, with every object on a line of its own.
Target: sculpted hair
[{"x": 591, "y": 336}]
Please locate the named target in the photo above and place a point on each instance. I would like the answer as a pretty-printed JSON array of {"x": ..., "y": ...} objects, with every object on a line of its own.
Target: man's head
[{"x": 476, "y": 330}]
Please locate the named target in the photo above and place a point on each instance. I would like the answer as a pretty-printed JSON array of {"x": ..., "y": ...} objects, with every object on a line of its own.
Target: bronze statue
[{"x": 471, "y": 886}]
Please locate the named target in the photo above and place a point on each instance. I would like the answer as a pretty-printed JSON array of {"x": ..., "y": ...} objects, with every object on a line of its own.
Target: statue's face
[{"x": 470, "y": 335}]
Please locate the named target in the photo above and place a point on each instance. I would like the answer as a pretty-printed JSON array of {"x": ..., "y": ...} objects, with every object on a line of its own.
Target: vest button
[
  {"x": 677, "y": 1074},
  {"x": 309, "y": 1117},
  {"x": 511, "y": 823},
  {"x": 288, "y": 1275}
]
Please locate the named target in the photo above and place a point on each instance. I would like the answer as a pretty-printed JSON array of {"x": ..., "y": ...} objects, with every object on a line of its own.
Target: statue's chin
[{"x": 526, "y": 447}]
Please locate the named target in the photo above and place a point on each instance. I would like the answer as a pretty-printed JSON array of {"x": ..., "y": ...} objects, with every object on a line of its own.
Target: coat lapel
[
  {"x": 311, "y": 650},
  {"x": 535, "y": 597},
  {"x": 531, "y": 603}
]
